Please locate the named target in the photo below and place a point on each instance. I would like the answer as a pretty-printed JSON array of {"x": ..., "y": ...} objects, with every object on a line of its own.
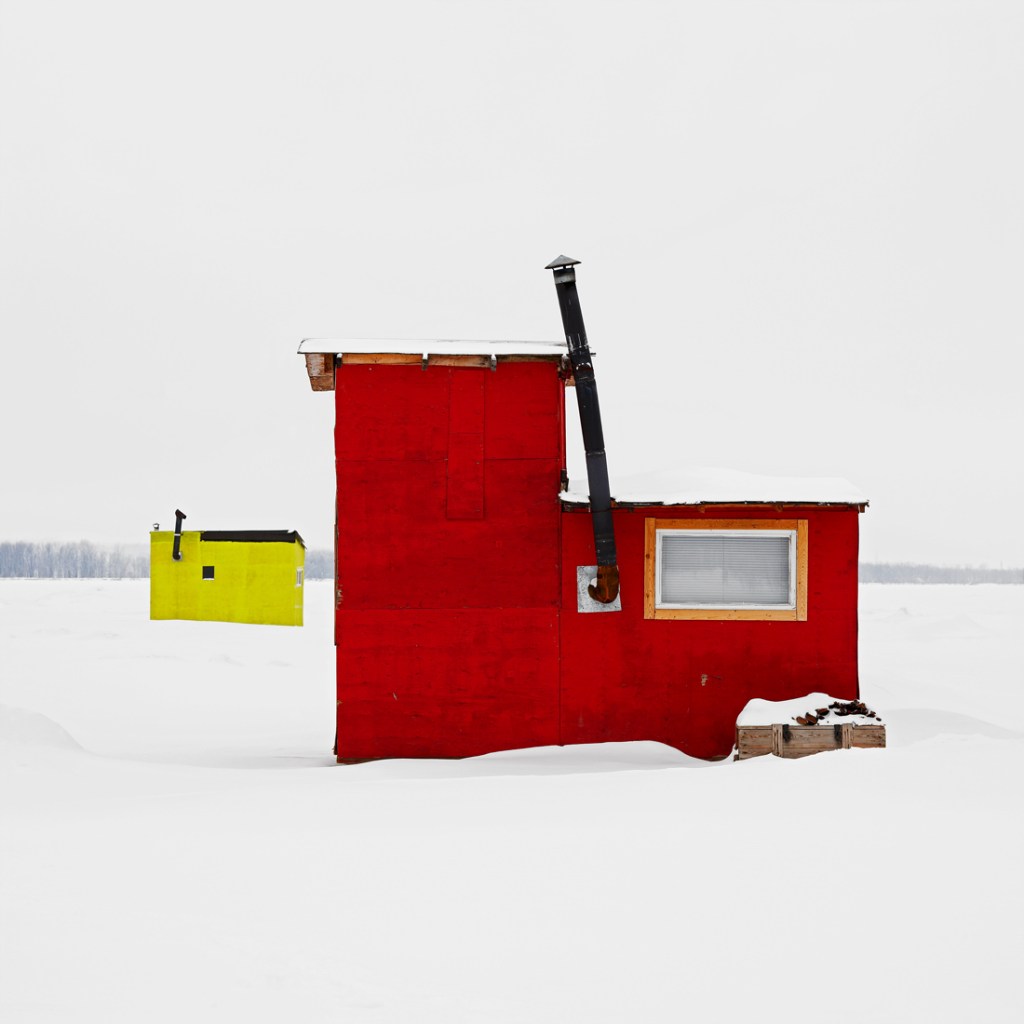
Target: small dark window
[{"x": 207, "y": 572}]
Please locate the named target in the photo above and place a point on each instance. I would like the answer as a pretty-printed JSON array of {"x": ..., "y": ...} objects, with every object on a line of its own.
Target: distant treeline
[
  {"x": 911, "y": 572},
  {"x": 319, "y": 565},
  {"x": 72, "y": 560},
  {"x": 82, "y": 559}
]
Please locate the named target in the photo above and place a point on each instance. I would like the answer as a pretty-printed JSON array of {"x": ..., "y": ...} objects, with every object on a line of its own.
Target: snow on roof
[
  {"x": 432, "y": 346},
  {"x": 709, "y": 486}
]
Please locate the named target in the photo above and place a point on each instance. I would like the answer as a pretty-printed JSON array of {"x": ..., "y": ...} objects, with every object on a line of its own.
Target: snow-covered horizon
[{"x": 177, "y": 843}]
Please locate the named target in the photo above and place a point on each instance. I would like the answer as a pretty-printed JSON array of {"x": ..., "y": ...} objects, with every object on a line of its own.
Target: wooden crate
[{"x": 801, "y": 740}]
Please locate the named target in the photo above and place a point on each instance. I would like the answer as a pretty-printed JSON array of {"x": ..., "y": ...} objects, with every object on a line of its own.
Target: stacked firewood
[{"x": 839, "y": 709}]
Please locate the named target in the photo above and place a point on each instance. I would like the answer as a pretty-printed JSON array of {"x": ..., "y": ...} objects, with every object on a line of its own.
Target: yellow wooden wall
[{"x": 254, "y": 581}]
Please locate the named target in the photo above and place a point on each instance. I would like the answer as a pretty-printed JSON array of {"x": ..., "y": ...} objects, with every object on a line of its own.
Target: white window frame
[
  {"x": 790, "y": 604},
  {"x": 794, "y": 610}
]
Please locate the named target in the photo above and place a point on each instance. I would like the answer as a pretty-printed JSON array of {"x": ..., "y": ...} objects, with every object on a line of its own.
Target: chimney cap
[{"x": 561, "y": 261}]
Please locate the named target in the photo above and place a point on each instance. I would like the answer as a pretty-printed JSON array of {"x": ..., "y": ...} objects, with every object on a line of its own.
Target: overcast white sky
[{"x": 801, "y": 227}]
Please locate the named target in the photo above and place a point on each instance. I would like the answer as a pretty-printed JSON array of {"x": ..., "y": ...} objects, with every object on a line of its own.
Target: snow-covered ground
[{"x": 176, "y": 845}]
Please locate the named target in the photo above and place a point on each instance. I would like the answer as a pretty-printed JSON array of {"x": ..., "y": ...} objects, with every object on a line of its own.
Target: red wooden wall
[
  {"x": 457, "y": 626},
  {"x": 684, "y": 681},
  {"x": 448, "y": 558}
]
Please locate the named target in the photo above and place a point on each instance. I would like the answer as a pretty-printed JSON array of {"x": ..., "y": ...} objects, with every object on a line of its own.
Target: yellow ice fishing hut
[{"x": 226, "y": 575}]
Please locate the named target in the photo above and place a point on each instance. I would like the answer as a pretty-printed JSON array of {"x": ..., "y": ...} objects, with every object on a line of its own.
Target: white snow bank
[
  {"x": 393, "y": 892},
  {"x": 770, "y": 712},
  {"x": 578, "y": 759},
  {"x": 699, "y": 485},
  {"x": 603, "y": 756},
  {"x": 22, "y": 728},
  {"x": 915, "y": 725}
]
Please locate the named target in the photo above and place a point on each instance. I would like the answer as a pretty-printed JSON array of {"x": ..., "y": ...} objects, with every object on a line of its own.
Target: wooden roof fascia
[{"x": 321, "y": 367}]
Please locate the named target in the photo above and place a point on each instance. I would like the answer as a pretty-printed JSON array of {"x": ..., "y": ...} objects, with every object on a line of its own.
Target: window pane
[{"x": 708, "y": 569}]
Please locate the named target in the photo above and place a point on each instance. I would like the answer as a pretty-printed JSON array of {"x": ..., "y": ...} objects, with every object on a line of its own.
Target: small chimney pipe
[
  {"x": 178, "y": 517},
  {"x": 606, "y": 587}
]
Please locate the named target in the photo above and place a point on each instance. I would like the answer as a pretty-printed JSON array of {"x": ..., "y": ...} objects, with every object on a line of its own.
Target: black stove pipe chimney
[
  {"x": 607, "y": 583},
  {"x": 176, "y": 550}
]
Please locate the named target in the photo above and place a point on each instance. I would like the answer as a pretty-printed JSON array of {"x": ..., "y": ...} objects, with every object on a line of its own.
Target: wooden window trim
[{"x": 797, "y": 614}]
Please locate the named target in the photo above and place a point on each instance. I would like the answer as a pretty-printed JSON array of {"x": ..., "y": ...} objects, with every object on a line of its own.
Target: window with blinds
[{"x": 726, "y": 569}]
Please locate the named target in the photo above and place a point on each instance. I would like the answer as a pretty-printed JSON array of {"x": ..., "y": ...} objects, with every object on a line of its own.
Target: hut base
[{"x": 802, "y": 740}]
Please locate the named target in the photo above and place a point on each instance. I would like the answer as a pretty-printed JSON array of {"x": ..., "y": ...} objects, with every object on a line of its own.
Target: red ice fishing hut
[{"x": 484, "y": 604}]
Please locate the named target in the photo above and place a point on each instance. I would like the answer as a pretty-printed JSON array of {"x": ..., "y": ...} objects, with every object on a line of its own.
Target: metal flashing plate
[{"x": 585, "y": 575}]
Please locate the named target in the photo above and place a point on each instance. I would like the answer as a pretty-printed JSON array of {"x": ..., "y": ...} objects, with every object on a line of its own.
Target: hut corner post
[{"x": 606, "y": 587}]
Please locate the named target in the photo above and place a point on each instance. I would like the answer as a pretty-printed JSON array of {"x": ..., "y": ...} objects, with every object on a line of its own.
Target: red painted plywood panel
[
  {"x": 523, "y": 403},
  {"x": 465, "y": 474},
  {"x": 391, "y": 412},
  {"x": 446, "y": 683},
  {"x": 683, "y": 682},
  {"x": 423, "y": 520},
  {"x": 397, "y": 548},
  {"x": 397, "y": 412}
]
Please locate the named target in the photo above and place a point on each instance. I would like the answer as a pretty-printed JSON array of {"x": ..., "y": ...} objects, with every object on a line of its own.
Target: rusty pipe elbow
[{"x": 606, "y": 587}]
